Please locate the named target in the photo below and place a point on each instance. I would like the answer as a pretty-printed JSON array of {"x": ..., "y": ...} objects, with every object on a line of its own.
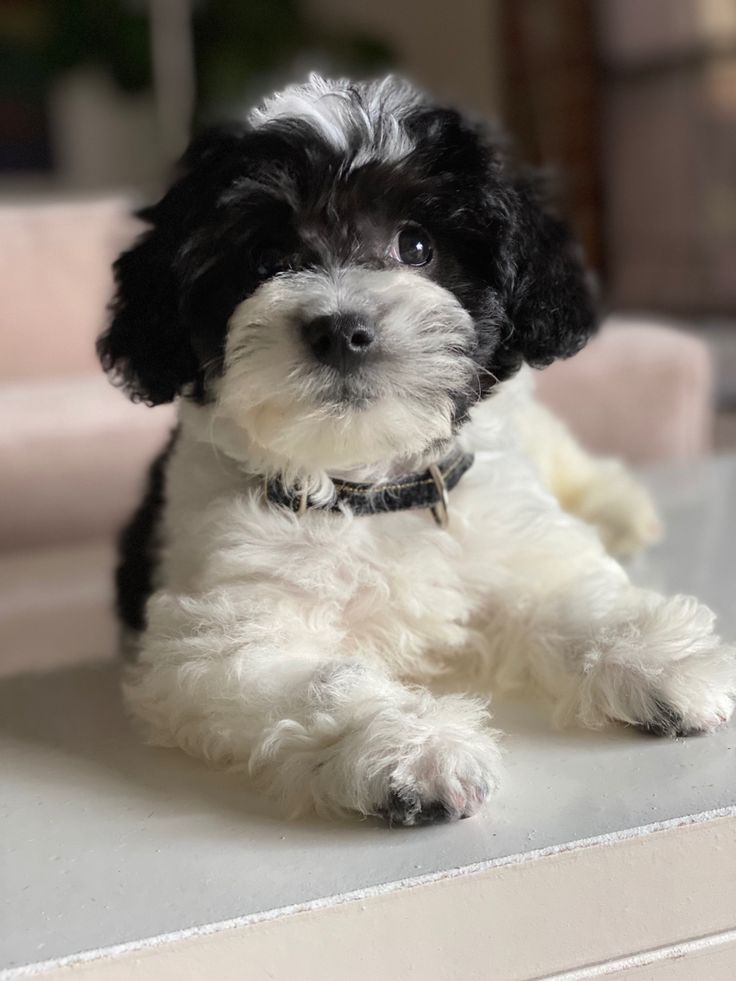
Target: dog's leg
[
  {"x": 602, "y": 492},
  {"x": 605, "y": 649},
  {"x": 319, "y": 732}
]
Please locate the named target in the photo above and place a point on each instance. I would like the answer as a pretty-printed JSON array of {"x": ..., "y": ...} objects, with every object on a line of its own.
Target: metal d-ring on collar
[{"x": 440, "y": 510}]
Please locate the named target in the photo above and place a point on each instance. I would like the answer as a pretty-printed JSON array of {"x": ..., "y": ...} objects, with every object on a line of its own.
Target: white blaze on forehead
[{"x": 341, "y": 111}]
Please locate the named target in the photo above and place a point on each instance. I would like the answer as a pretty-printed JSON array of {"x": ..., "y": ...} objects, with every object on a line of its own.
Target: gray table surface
[{"x": 104, "y": 841}]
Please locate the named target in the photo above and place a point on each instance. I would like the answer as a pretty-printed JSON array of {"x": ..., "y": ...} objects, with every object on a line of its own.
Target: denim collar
[{"x": 422, "y": 489}]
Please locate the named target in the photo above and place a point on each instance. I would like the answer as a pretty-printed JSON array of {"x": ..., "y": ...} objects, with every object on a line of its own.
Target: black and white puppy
[{"x": 362, "y": 494}]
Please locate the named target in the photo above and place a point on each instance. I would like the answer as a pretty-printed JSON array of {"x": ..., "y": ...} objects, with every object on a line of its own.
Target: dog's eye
[
  {"x": 269, "y": 262},
  {"x": 412, "y": 246}
]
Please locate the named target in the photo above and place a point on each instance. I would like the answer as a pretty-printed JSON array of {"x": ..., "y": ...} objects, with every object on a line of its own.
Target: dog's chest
[{"x": 395, "y": 585}]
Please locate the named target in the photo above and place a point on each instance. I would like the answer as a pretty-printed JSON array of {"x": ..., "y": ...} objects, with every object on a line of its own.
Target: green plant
[{"x": 235, "y": 42}]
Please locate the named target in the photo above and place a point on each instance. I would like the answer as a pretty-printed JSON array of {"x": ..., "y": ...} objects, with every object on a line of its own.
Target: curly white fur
[
  {"x": 327, "y": 105},
  {"x": 289, "y": 647}
]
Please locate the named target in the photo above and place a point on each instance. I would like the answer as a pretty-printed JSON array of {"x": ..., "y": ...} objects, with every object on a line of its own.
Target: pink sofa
[{"x": 74, "y": 449}]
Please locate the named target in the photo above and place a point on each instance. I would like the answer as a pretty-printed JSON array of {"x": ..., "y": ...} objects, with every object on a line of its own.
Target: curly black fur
[{"x": 139, "y": 545}]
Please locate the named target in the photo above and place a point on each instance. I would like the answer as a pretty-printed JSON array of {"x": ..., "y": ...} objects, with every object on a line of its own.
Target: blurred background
[
  {"x": 634, "y": 101},
  {"x": 631, "y": 103}
]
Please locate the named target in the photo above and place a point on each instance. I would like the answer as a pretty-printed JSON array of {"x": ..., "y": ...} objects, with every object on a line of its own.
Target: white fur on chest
[{"x": 391, "y": 586}]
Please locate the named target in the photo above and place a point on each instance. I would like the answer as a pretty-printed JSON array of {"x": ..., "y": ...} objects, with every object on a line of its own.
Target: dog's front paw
[
  {"x": 444, "y": 763},
  {"x": 621, "y": 510},
  {"x": 443, "y": 783},
  {"x": 371, "y": 746},
  {"x": 661, "y": 668},
  {"x": 665, "y": 719},
  {"x": 696, "y": 695},
  {"x": 696, "y": 690}
]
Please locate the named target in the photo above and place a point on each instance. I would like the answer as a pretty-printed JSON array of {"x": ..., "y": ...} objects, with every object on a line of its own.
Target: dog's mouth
[{"x": 350, "y": 391}]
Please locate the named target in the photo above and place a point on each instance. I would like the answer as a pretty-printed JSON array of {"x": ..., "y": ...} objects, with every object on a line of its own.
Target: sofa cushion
[
  {"x": 56, "y": 606},
  {"x": 640, "y": 390},
  {"x": 74, "y": 452},
  {"x": 55, "y": 282}
]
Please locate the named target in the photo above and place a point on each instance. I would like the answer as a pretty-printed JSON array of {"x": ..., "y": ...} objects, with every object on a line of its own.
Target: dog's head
[{"x": 342, "y": 275}]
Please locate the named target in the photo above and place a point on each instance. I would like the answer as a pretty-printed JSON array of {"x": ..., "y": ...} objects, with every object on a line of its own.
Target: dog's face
[{"x": 342, "y": 276}]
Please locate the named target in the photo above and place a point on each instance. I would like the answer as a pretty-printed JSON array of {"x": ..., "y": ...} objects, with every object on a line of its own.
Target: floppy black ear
[
  {"x": 550, "y": 301},
  {"x": 147, "y": 347},
  {"x": 534, "y": 263}
]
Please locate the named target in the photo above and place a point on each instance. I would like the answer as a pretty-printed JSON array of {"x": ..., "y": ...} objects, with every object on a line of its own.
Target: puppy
[{"x": 342, "y": 291}]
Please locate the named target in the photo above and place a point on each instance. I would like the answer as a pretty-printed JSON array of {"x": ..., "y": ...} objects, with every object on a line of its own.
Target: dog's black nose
[{"x": 340, "y": 340}]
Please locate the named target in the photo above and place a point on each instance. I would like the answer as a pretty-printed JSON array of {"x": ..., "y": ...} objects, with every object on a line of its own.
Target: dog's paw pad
[
  {"x": 408, "y": 808},
  {"x": 667, "y": 721}
]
